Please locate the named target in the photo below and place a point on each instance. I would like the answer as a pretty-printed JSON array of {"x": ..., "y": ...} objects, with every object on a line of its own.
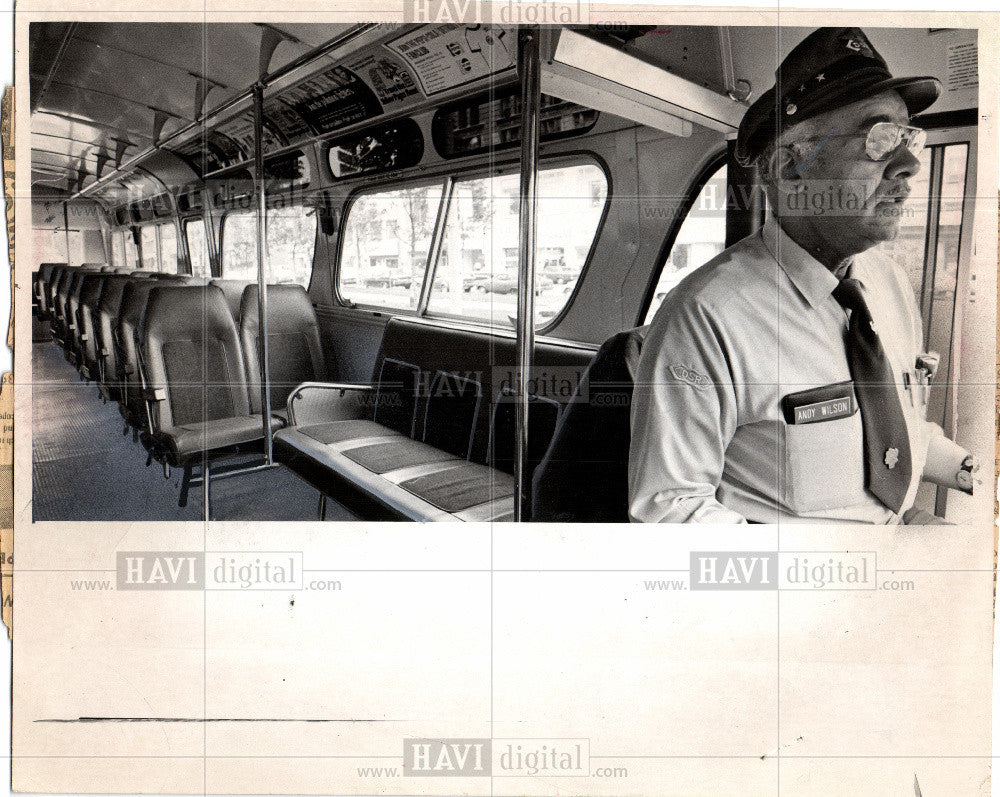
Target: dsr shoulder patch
[{"x": 690, "y": 376}]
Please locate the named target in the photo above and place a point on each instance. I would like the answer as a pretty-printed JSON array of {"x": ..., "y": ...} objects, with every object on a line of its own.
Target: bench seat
[
  {"x": 433, "y": 440},
  {"x": 407, "y": 477}
]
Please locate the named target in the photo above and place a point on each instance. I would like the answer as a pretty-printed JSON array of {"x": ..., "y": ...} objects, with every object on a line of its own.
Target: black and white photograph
[
  {"x": 701, "y": 290},
  {"x": 504, "y": 399}
]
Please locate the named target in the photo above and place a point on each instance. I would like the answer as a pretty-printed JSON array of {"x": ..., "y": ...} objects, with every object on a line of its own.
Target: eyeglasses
[{"x": 884, "y": 138}]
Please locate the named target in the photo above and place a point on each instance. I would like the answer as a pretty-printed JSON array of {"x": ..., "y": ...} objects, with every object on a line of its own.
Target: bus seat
[
  {"x": 583, "y": 476},
  {"x": 133, "y": 302},
  {"x": 295, "y": 349},
  {"x": 42, "y": 280},
  {"x": 73, "y": 340},
  {"x": 233, "y": 291},
  {"x": 108, "y": 309},
  {"x": 193, "y": 367},
  {"x": 59, "y": 303},
  {"x": 91, "y": 286},
  {"x": 417, "y": 445},
  {"x": 51, "y": 288}
]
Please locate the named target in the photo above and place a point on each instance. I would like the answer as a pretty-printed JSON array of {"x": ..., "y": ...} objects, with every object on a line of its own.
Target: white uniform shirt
[{"x": 709, "y": 439}]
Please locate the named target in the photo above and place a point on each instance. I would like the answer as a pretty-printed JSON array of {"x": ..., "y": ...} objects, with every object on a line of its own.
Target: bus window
[
  {"x": 907, "y": 248},
  {"x": 194, "y": 231},
  {"x": 239, "y": 245},
  {"x": 476, "y": 275},
  {"x": 131, "y": 253},
  {"x": 291, "y": 239},
  {"x": 147, "y": 246},
  {"x": 387, "y": 235},
  {"x": 701, "y": 237},
  {"x": 168, "y": 247},
  {"x": 117, "y": 250}
]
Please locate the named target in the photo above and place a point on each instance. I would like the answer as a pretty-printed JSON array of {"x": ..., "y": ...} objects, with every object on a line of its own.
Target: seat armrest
[{"x": 318, "y": 402}]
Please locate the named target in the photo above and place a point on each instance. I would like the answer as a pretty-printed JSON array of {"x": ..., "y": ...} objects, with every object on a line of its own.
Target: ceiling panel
[{"x": 93, "y": 84}]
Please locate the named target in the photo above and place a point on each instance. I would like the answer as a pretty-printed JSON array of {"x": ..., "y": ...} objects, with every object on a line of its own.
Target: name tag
[
  {"x": 824, "y": 410},
  {"x": 826, "y": 403}
]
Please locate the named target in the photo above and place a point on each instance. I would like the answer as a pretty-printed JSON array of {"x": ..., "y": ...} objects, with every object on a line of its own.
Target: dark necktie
[{"x": 888, "y": 465}]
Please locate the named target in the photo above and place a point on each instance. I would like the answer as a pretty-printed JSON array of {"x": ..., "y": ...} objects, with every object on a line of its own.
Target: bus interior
[{"x": 359, "y": 271}]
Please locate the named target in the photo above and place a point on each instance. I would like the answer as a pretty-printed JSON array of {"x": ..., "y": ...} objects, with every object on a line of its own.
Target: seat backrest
[
  {"x": 108, "y": 309},
  {"x": 294, "y": 347},
  {"x": 62, "y": 294},
  {"x": 584, "y": 474},
  {"x": 416, "y": 350},
  {"x": 190, "y": 348},
  {"x": 91, "y": 286},
  {"x": 134, "y": 297},
  {"x": 46, "y": 273},
  {"x": 233, "y": 290},
  {"x": 52, "y": 284},
  {"x": 73, "y": 305}
]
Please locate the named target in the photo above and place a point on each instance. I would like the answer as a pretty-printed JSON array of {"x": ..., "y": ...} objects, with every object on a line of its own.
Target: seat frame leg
[
  {"x": 182, "y": 500},
  {"x": 206, "y": 489},
  {"x": 322, "y": 506}
]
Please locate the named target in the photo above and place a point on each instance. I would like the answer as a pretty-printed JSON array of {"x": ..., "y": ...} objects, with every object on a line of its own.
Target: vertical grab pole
[
  {"x": 528, "y": 67},
  {"x": 258, "y": 164}
]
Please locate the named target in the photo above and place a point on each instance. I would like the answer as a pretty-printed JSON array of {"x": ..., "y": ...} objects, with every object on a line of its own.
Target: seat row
[
  {"x": 179, "y": 356},
  {"x": 430, "y": 437}
]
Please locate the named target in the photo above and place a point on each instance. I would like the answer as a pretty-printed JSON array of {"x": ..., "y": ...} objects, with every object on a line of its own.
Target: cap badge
[
  {"x": 820, "y": 78},
  {"x": 859, "y": 45},
  {"x": 791, "y": 109},
  {"x": 891, "y": 457}
]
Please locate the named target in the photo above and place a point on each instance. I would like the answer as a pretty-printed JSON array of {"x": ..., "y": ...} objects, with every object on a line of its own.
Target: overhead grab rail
[{"x": 268, "y": 81}]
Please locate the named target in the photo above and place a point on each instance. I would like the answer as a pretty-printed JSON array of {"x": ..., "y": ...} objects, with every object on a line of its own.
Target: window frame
[
  {"x": 160, "y": 226},
  {"x": 150, "y": 225},
  {"x": 184, "y": 222},
  {"x": 443, "y": 181},
  {"x": 715, "y": 162},
  {"x": 448, "y": 178},
  {"x": 253, "y": 212}
]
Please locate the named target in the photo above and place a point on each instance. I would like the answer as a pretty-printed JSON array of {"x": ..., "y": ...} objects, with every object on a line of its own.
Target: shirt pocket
[{"x": 824, "y": 465}]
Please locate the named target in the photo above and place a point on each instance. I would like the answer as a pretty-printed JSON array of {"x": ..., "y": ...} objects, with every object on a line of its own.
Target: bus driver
[{"x": 784, "y": 379}]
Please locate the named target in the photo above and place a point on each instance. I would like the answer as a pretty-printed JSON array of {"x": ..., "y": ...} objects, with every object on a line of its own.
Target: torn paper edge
[{"x": 7, "y": 382}]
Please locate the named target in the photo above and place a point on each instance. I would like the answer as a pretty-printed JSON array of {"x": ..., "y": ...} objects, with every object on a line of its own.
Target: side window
[
  {"x": 168, "y": 247},
  {"x": 386, "y": 238},
  {"x": 701, "y": 237},
  {"x": 147, "y": 246},
  {"x": 291, "y": 239},
  {"x": 197, "y": 241},
  {"x": 239, "y": 248},
  {"x": 927, "y": 247},
  {"x": 131, "y": 253},
  {"x": 117, "y": 250},
  {"x": 476, "y": 275}
]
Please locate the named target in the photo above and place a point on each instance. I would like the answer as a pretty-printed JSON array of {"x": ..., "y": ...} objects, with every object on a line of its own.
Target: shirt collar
[{"x": 812, "y": 279}]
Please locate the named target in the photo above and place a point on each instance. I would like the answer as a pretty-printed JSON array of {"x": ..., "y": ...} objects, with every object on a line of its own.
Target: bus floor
[{"x": 83, "y": 468}]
